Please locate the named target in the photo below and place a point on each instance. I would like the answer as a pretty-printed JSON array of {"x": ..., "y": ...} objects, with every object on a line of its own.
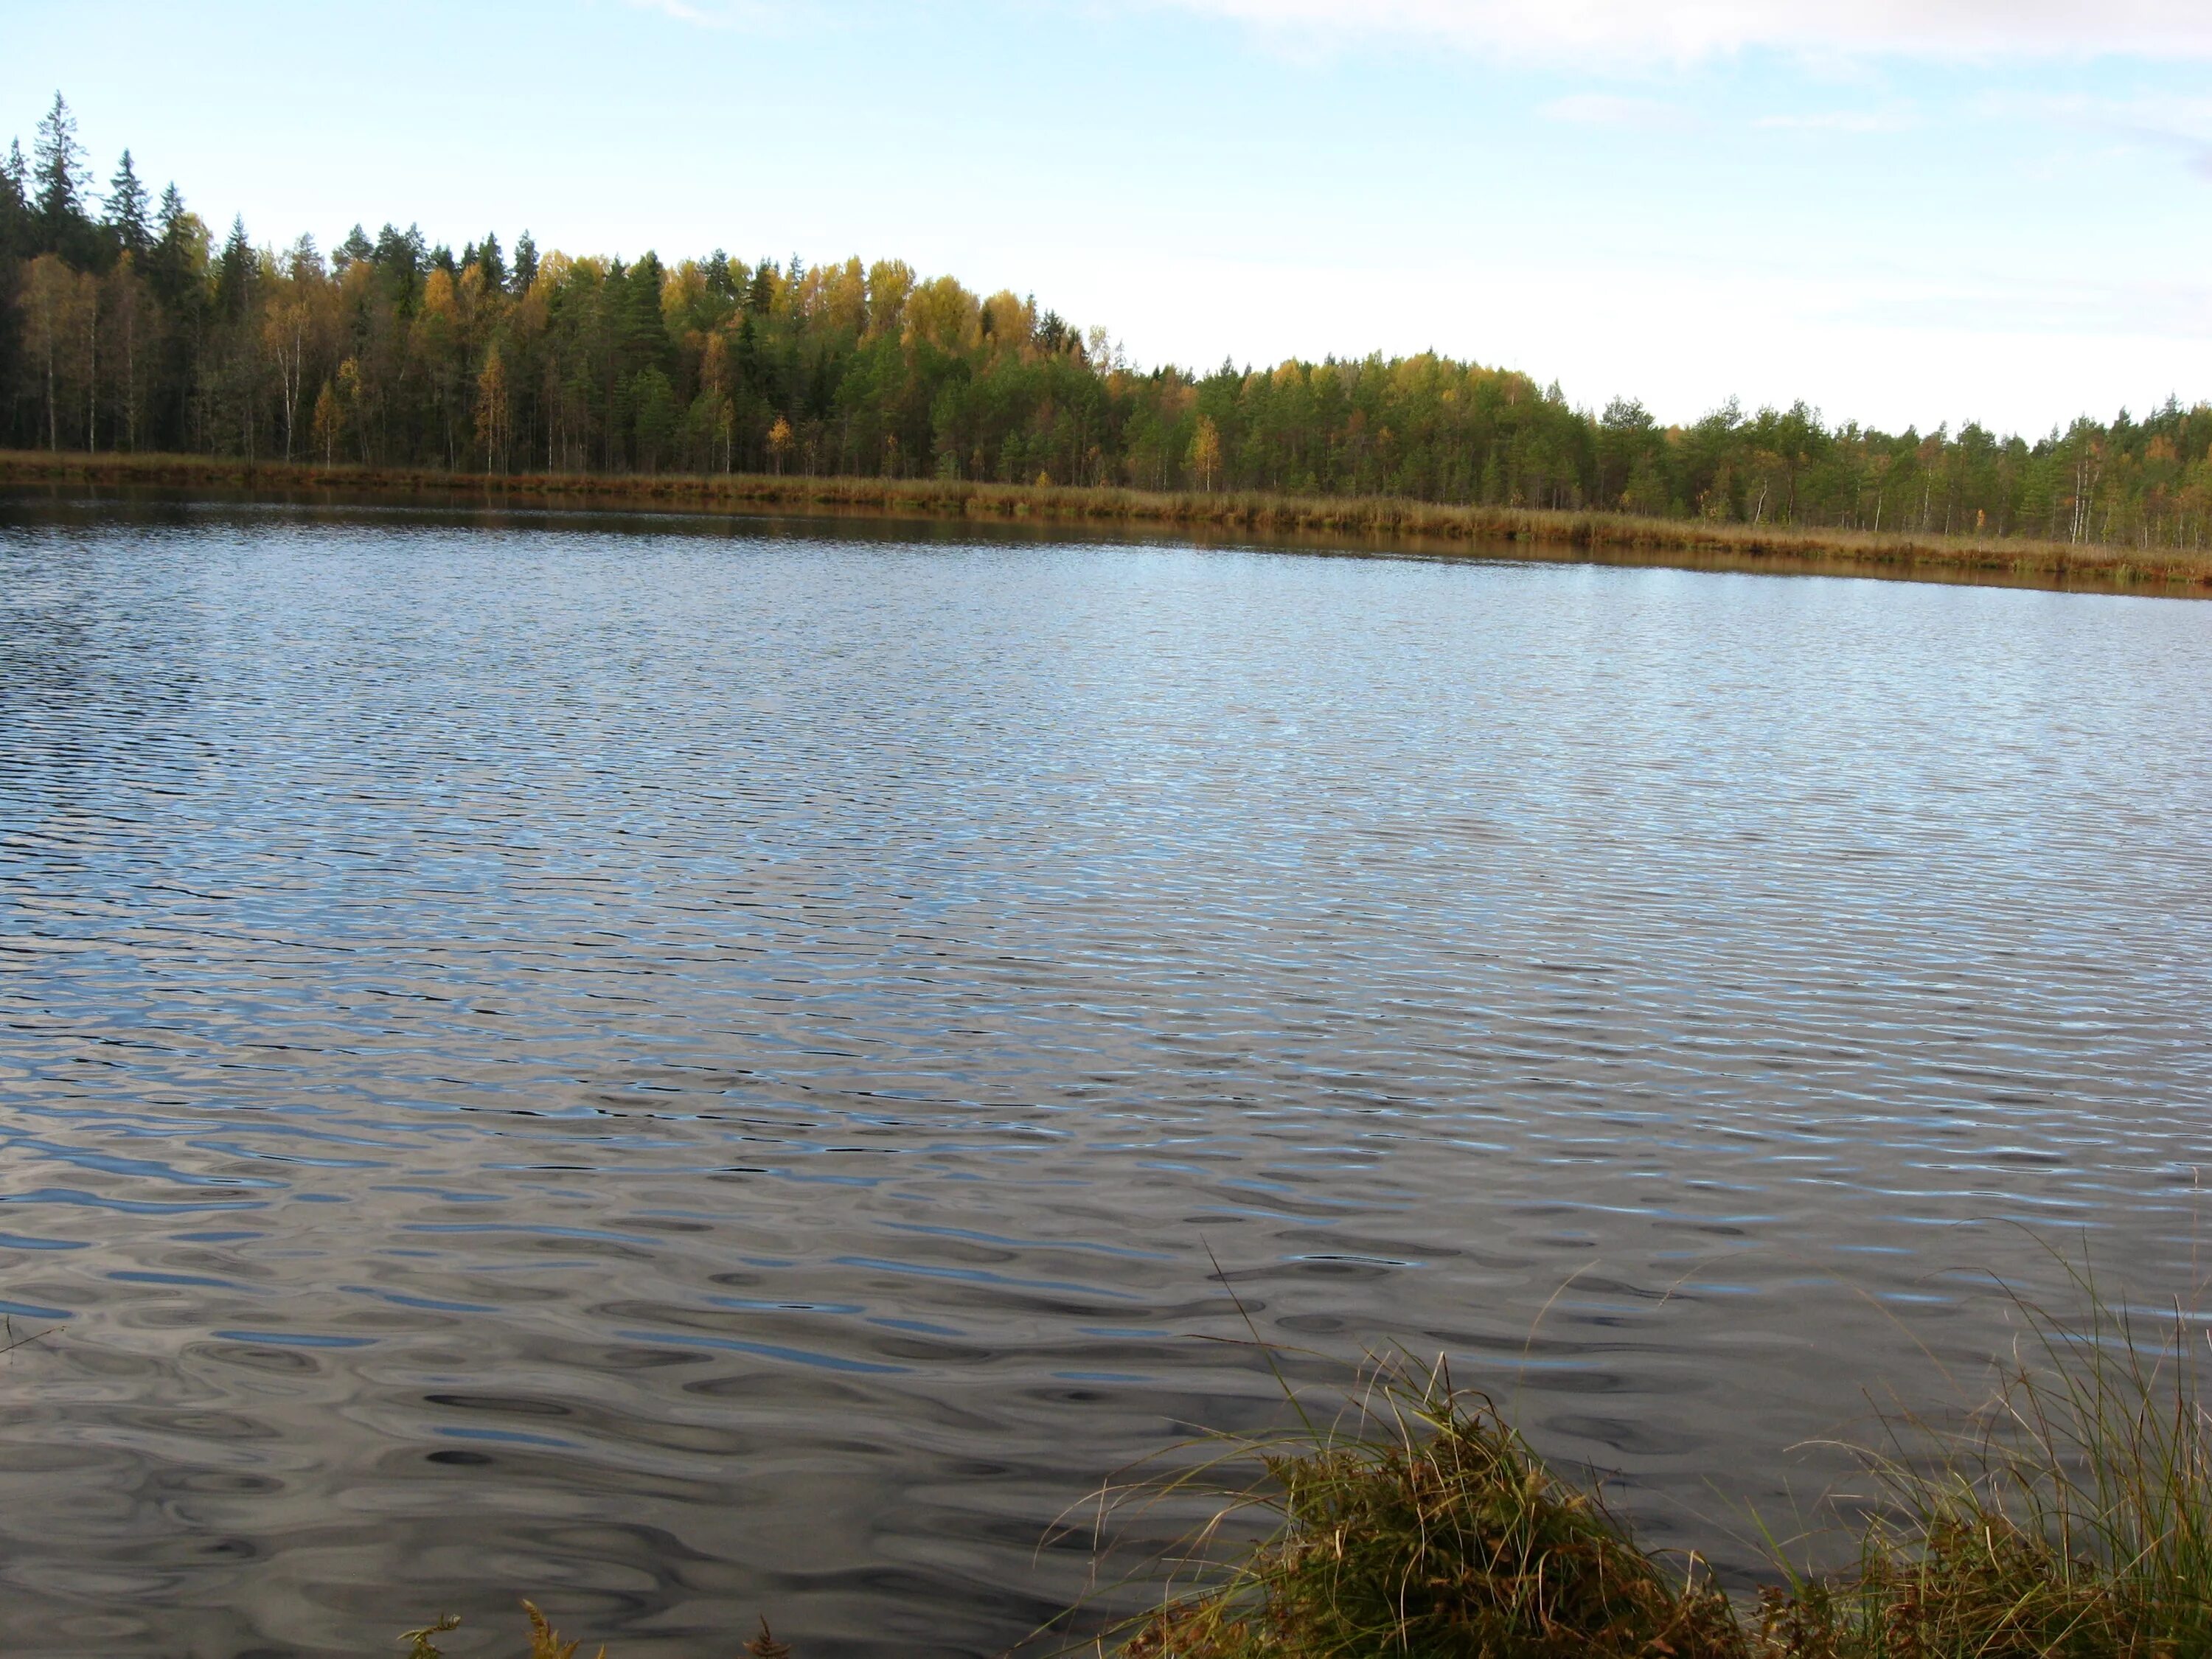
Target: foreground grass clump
[
  {"x": 2072, "y": 1515},
  {"x": 1445, "y": 1535},
  {"x": 2070, "y": 1518}
]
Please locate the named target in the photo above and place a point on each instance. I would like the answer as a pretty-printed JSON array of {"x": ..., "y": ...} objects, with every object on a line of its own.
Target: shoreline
[{"x": 1385, "y": 523}]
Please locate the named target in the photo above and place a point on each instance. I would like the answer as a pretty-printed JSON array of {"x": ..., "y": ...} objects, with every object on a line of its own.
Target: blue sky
[{"x": 1938, "y": 211}]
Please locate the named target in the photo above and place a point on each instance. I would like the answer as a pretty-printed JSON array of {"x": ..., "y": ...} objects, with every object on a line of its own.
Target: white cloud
[
  {"x": 1688, "y": 30},
  {"x": 752, "y": 14},
  {"x": 2181, "y": 126},
  {"x": 1841, "y": 120},
  {"x": 1601, "y": 109}
]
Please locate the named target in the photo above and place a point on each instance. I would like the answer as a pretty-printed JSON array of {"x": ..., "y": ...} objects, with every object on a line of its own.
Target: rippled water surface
[{"x": 693, "y": 1069}]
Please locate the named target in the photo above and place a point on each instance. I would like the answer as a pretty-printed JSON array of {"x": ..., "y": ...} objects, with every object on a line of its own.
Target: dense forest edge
[{"x": 127, "y": 330}]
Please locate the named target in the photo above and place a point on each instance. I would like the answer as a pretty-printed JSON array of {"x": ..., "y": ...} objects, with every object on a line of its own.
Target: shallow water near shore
[{"x": 697, "y": 1070}]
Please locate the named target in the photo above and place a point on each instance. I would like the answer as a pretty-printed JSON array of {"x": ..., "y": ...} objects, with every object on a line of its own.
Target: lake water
[{"x": 692, "y": 1069}]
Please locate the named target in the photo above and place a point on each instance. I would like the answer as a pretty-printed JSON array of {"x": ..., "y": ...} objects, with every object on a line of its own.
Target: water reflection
[{"x": 696, "y": 1073}]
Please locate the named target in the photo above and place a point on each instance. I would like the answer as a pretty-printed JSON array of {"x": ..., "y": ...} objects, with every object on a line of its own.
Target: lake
[{"x": 697, "y": 1068}]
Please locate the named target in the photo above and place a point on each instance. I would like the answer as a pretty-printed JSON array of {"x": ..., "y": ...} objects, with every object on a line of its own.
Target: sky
[{"x": 1904, "y": 212}]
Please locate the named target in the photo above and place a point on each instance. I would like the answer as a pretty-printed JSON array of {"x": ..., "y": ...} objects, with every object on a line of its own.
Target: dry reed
[{"x": 1533, "y": 533}]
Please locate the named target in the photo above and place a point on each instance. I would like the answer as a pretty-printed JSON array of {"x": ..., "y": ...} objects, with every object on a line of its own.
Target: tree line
[{"x": 125, "y": 324}]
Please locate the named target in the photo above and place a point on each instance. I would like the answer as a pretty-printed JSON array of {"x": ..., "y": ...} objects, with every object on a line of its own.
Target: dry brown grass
[
  {"x": 1365, "y": 521},
  {"x": 2070, "y": 1518}
]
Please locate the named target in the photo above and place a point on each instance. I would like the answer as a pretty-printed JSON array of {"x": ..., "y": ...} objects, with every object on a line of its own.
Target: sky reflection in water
[{"x": 694, "y": 1071}]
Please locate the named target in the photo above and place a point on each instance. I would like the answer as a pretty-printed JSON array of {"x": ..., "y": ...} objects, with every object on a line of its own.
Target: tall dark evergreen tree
[
  {"x": 58, "y": 184},
  {"x": 719, "y": 282},
  {"x": 15, "y": 228},
  {"x": 171, "y": 262},
  {"x": 126, "y": 216},
  {"x": 235, "y": 274},
  {"x": 17, "y": 237}
]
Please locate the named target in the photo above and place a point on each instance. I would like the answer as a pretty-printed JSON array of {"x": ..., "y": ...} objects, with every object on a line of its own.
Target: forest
[{"x": 127, "y": 323}]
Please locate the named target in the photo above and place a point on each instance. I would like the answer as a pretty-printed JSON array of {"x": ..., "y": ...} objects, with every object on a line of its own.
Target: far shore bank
[{"x": 1368, "y": 520}]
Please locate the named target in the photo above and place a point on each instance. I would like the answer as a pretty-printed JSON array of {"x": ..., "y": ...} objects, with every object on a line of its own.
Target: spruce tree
[
  {"x": 719, "y": 282},
  {"x": 645, "y": 336},
  {"x": 126, "y": 209},
  {"x": 15, "y": 235},
  {"x": 173, "y": 262},
  {"x": 234, "y": 284},
  {"x": 57, "y": 173}
]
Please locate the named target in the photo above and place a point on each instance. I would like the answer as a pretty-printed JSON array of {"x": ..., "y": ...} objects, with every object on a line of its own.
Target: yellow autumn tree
[
  {"x": 60, "y": 332},
  {"x": 284, "y": 331},
  {"x": 326, "y": 422},
  {"x": 1205, "y": 452},
  {"x": 492, "y": 418},
  {"x": 349, "y": 410},
  {"x": 778, "y": 441}
]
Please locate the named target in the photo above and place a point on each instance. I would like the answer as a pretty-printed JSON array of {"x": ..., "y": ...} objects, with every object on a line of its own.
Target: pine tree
[
  {"x": 719, "y": 282},
  {"x": 349, "y": 252},
  {"x": 126, "y": 209},
  {"x": 173, "y": 263},
  {"x": 15, "y": 236},
  {"x": 235, "y": 275},
  {"x": 525, "y": 263},
  {"x": 58, "y": 176},
  {"x": 645, "y": 336}
]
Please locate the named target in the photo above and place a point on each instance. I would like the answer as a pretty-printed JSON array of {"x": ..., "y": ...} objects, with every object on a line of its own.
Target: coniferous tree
[
  {"x": 353, "y": 251},
  {"x": 17, "y": 233},
  {"x": 16, "y": 237},
  {"x": 236, "y": 273},
  {"x": 171, "y": 263},
  {"x": 58, "y": 184},
  {"x": 127, "y": 215}
]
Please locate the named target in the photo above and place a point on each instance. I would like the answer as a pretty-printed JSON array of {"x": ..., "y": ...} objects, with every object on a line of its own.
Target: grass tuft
[
  {"x": 2070, "y": 1517},
  {"x": 1435, "y": 1530}
]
